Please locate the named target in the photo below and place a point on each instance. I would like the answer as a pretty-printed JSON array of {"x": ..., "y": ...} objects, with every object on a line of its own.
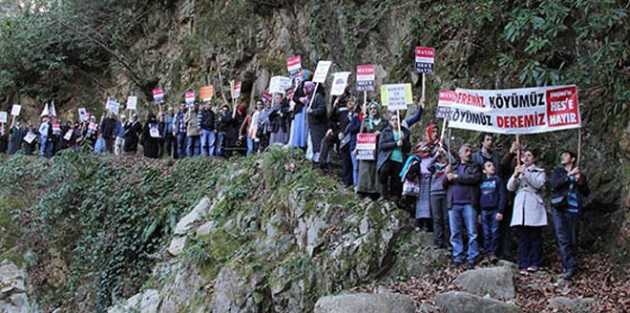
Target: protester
[
  {"x": 317, "y": 117},
  {"x": 486, "y": 153},
  {"x": 348, "y": 141},
  {"x": 205, "y": 122},
  {"x": 368, "y": 175},
  {"x": 151, "y": 137},
  {"x": 462, "y": 199},
  {"x": 120, "y": 135},
  {"x": 170, "y": 144},
  {"x": 263, "y": 131},
  {"x": 439, "y": 210},
  {"x": 15, "y": 138},
  {"x": 133, "y": 129},
  {"x": 4, "y": 140},
  {"x": 193, "y": 138},
  {"x": 45, "y": 138},
  {"x": 30, "y": 147},
  {"x": 252, "y": 131},
  {"x": 238, "y": 118},
  {"x": 425, "y": 149},
  {"x": 179, "y": 131},
  {"x": 492, "y": 203},
  {"x": 299, "y": 127},
  {"x": 280, "y": 121},
  {"x": 224, "y": 127},
  {"x": 337, "y": 123},
  {"x": 393, "y": 147},
  {"x": 162, "y": 132},
  {"x": 570, "y": 187},
  {"x": 108, "y": 131},
  {"x": 508, "y": 163},
  {"x": 529, "y": 214}
]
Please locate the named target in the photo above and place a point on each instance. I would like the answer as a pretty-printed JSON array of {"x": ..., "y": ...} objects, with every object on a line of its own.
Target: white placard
[
  {"x": 4, "y": 117},
  {"x": 154, "y": 132},
  {"x": 29, "y": 137},
  {"x": 83, "y": 115},
  {"x": 132, "y": 103},
  {"x": 278, "y": 84},
  {"x": 340, "y": 81},
  {"x": 15, "y": 110},
  {"x": 68, "y": 135},
  {"x": 112, "y": 105},
  {"x": 321, "y": 71}
]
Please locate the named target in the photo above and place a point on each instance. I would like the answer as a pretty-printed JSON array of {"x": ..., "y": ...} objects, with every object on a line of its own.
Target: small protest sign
[
  {"x": 16, "y": 109},
  {"x": 29, "y": 137},
  {"x": 158, "y": 96},
  {"x": 237, "y": 90},
  {"x": 189, "y": 98},
  {"x": 294, "y": 65},
  {"x": 340, "y": 81},
  {"x": 366, "y": 147},
  {"x": 206, "y": 93},
  {"x": 365, "y": 77},
  {"x": 112, "y": 105},
  {"x": 321, "y": 71},
  {"x": 266, "y": 96},
  {"x": 154, "y": 132},
  {"x": 425, "y": 59},
  {"x": 132, "y": 103},
  {"x": 279, "y": 84},
  {"x": 396, "y": 97},
  {"x": 3, "y": 117},
  {"x": 83, "y": 115},
  {"x": 68, "y": 135}
]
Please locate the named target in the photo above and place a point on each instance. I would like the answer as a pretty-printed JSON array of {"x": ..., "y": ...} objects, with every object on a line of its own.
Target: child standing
[{"x": 492, "y": 202}]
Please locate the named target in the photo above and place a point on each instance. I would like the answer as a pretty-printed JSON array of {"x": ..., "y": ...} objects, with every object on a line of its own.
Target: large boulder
[
  {"x": 13, "y": 298},
  {"x": 146, "y": 302},
  {"x": 497, "y": 282},
  {"x": 365, "y": 303},
  {"x": 463, "y": 302},
  {"x": 573, "y": 305},
  {"x": 185, "y": 224}
]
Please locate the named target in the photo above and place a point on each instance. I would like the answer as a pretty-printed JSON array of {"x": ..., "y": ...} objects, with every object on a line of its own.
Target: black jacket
[
  {"x": 207, "y": 119},
  {"x": 561, "y": 182}
]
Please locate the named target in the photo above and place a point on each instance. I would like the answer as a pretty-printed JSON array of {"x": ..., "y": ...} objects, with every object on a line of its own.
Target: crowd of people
[{"x": 471, "y": 203}]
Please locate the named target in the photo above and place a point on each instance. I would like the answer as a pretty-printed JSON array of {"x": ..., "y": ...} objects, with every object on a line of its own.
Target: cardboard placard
[
  {"x": 16, "y": 109},
  {"x": 68, "y": 135},
  {"x": 396, "y": 97},
  {"x": 237, "y": 90},
  {"x": 206, "y": 93},
  {"x": 340, "y": 81},
  {"x": 112, "y": 105},
  {"x": 366, "y": 77},
  {"x": 154, "y": 132},
  {"x": 190, "y": 98},
  {"x": 29, "y": 137},
  {"x": 294, "y": 65},
  {"x": 366, "y": 147},
  {"x": 158, "y": 95},
  {"x": 321, "y": 72},
  {"x": 83, "y": 114},
  {"x": 425, "y": 59},
  {"x": 132, "y": 103},
  {"x": 4, "y": 117},
  {"x": 279, "y": 84}
]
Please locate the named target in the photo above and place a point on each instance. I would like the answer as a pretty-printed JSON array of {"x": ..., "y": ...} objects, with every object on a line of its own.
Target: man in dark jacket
[
  {"x": 206, "y": 124},
  {"x": 462, "y": 199},
  {"x": 108, "y": 127},
  {"x": 133, "y": 129},
  {"x": 569, "y": 187},
  {"x": 15, "y": 138},
  {"x": 337, "y": 124}
]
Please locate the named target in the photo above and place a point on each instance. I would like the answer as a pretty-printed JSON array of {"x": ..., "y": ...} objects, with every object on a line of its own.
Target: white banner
[
  {"x": 15, "y": 110},
  {"x": 3, "y": 117},
  {"x": 513, "y": 111},
  {"x": 112, "y": 105},
  {"x": 340, "y": 81},
  {"x": 132, "y": 103},
  {"x": 321, "y": 71},
  {"x": 279, "y": 84}
]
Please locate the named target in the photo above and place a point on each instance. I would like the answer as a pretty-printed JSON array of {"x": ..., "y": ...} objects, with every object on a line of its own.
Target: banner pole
[
  {"x": 424, "y": 87},
  {"x": 365, "y": 97},
  {"x": 579, "y": 152},
  {"x": 398, "y": 116},
  {"x": 518, "y": 152},
  {"x": 313, "y": 96},
  {"x": 449, "y": 145}
]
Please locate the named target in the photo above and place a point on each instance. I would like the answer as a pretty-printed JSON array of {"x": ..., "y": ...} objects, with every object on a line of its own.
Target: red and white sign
[
  {"x": 158, "y": 95},
  {"x": 425, "y": 59},
  {"x": 237, "y": 90},
  {"x": 294, "y": 65},
  {"x": 366, "y": 147},
  {"x": 190, "y": 98},
  {"x": 513, "y": 111},
  {"x": 365, "y": 77}
]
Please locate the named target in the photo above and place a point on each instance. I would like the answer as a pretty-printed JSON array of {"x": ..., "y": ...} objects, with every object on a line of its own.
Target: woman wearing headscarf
[
  {"x": 317, "y": 116},
  {"x": 151, "y": 137},
  {"x": 299, "y": 127},
  {"x": 393, "y": 147},
  {"x": 373, "y": 123},
  {"x": 425, "y": 150}
]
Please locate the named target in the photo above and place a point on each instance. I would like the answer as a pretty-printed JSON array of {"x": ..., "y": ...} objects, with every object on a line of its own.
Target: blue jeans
[
  {"x": 219, "y": 144},
  {"x": 460, "y": 216},
  {"x": 207, "y": 142},
  {"x": 490, "y": 231},
  {"x": 250, "y": 146},
  {"x": 192, "y": 145},
  {"x": 43, "y": 140},
  {"x": 181, "y": 145},
  {"x": 566, "y": 226}
]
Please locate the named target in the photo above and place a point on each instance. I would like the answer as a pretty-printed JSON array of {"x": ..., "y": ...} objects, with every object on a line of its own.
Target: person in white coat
[{"x": 530, "y": 214}]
